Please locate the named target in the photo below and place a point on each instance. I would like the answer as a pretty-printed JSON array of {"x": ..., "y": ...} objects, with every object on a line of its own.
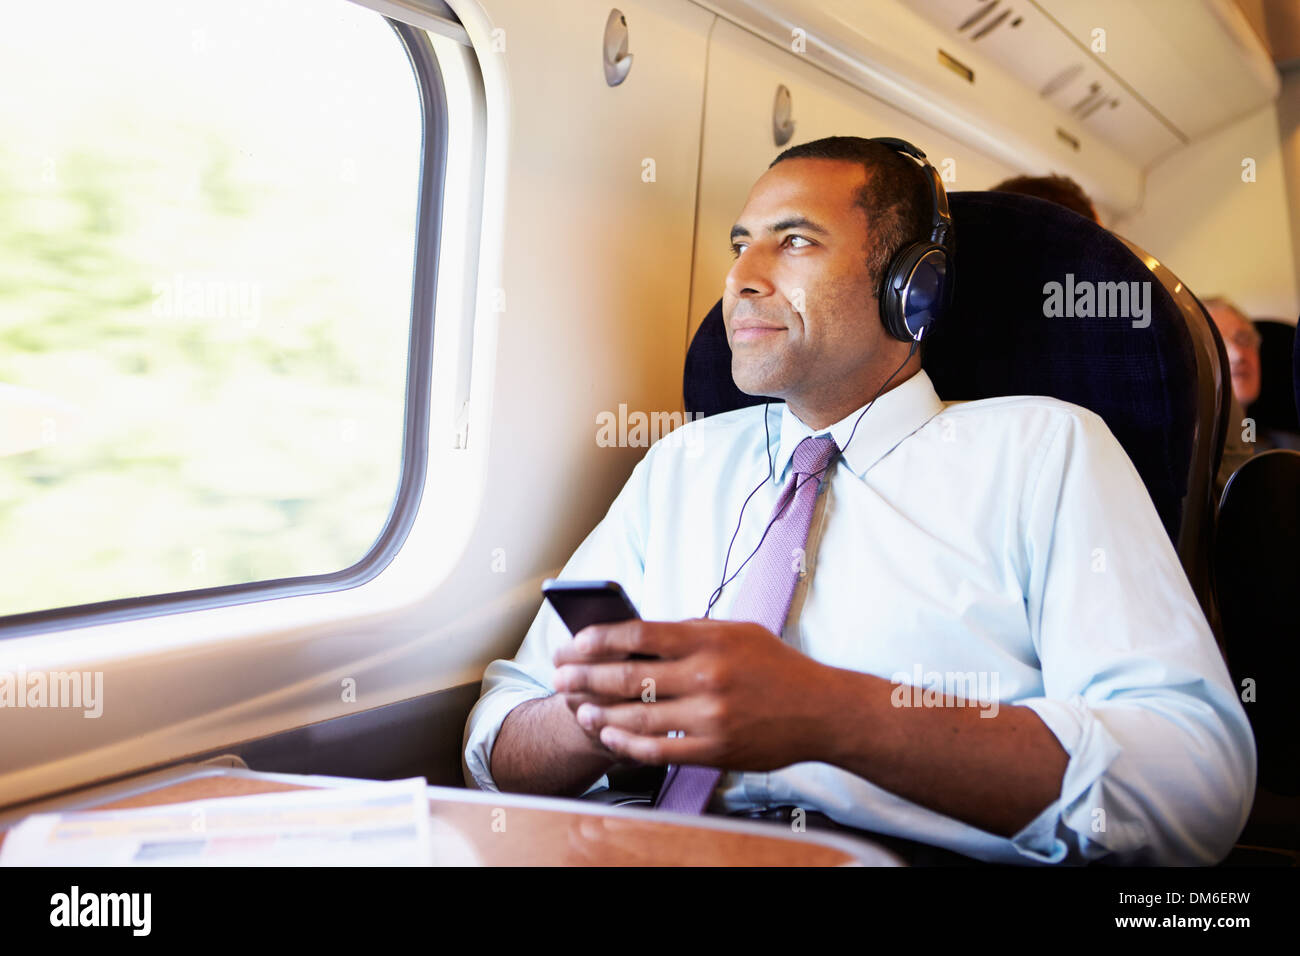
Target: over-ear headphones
[{"x": 917, "y": 286}]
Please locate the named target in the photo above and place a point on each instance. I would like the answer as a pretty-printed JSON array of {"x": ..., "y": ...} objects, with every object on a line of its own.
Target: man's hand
[
  {"x": 745, "y": 700},
  {"x": 576, "y": 699}
]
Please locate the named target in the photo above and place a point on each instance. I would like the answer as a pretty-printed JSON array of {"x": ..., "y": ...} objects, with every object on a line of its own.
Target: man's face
[
  {"x": 799, "y": 308},
  {"x": 1242, "y": 343}
]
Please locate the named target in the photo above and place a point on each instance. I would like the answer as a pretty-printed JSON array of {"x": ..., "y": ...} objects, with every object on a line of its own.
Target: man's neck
[{"x": 819, "y": 414}]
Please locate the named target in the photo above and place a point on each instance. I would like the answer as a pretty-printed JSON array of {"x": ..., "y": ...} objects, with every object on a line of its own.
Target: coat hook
[
  {"x": 782, "y": 121},
  {"x": 617, "y": 60}
]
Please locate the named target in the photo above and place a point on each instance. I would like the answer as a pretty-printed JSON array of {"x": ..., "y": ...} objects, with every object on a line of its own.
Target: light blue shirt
[{"x": 1002, "y": 550}]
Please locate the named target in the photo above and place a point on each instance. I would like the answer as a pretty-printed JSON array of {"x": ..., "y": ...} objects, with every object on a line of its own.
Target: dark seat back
[
  {"x": 1295, "y": 373},
  {"x": 1257, "y": 568},
  {"x": 1276, "y": 405}
]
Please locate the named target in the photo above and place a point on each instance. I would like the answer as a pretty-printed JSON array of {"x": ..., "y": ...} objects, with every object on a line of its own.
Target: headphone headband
[{"x": 941, "y": 221}]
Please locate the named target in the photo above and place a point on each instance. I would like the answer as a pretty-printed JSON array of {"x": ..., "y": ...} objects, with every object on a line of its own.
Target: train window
[{"x": 209, "y": 251}]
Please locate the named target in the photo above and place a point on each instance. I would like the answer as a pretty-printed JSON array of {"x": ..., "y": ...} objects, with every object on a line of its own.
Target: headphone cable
[{"x": 771, "y": 474}]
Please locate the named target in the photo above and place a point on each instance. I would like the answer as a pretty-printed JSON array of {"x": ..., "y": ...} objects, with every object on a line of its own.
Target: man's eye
[
  {"x": 737, "y": 248},
  {"x": 793, "y": 239}
]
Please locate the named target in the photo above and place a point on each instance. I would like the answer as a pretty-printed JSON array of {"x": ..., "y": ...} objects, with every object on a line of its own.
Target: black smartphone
[{"x": 582, "y": 603}]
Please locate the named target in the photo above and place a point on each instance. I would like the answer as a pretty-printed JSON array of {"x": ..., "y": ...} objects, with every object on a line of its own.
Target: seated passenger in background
[
  {"x": 1061, "y": 190},
  {"x": 966, "y": 625},
  {"x": 1241, "y": 340}
]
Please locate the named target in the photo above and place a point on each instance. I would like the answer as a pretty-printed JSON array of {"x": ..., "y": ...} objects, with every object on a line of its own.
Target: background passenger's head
[
  {"x": 1242, "y": 343},
  {"x": 801, "y": 303},
  {"x": 1061, "y": 190}
]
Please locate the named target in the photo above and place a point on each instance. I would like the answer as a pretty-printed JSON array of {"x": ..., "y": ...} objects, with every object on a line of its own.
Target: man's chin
[
  {"x": 762, "y": 386},
  {"x": 766, "y": 372},
  {"x": 1245, "y": 389}
]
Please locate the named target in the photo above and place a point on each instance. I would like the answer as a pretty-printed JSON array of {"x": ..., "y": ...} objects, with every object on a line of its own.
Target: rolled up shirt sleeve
[
  {"x": 613, "y": 551},
  {"x": 1162, "y": 759}
]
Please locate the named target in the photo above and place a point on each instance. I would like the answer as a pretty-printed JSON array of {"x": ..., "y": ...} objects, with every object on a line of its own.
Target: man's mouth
[{"x": 749, "y": 331}]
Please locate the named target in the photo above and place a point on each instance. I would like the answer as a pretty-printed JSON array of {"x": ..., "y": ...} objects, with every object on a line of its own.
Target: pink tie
[{"x": 764, "y": 596}]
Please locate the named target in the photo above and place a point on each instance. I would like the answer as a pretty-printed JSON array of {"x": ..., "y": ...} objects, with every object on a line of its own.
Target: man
[
  {"x": 1242, "y": 343},
  {"x": 990, "y": 647},
  {"x": 1241, "y": 340},
  {"x": 1061, "y": 190}
]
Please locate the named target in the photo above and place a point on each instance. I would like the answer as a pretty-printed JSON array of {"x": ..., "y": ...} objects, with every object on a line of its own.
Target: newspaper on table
[{"x": 370, "y": 824}]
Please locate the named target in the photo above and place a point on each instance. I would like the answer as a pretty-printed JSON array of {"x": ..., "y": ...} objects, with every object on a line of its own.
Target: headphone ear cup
[{"x": 915, "y": 290}]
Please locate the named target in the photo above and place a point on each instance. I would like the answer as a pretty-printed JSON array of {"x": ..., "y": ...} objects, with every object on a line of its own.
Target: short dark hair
[
  {"x": 1061, "y": 190},
  {"x": 896, "y": 196}
]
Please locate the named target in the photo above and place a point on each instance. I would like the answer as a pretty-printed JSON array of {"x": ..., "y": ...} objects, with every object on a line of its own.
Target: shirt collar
[{"x": 895, "y": 415}]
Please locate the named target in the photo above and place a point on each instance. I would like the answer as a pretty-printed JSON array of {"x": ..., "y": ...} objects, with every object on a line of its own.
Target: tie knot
[{"x": 813, "y": 455}]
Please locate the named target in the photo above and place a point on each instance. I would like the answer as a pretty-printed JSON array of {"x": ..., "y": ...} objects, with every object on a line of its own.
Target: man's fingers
[
  {"x": 657, "y": 750},
  {"x": 574, "y": 701},
  {"x": 643, "y": 680},
  {"x": 667, "y": 639},
  {"x": 586, "y": 652},
  {"x": 647, "y": 719}
]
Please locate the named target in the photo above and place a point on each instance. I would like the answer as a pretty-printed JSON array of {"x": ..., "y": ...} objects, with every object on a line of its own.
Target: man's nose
[{"x": 748, "y": 275}]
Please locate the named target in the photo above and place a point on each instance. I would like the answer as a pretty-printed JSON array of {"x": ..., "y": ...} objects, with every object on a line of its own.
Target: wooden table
[{"x": 491, "y": 829}]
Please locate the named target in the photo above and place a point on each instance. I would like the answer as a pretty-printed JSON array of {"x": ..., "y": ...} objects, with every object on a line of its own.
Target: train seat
[{"x": 1257, "y": 567}]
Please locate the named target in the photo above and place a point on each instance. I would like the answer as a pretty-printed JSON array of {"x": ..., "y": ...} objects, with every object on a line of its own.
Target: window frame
[{"x": 415, "y": 442}]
